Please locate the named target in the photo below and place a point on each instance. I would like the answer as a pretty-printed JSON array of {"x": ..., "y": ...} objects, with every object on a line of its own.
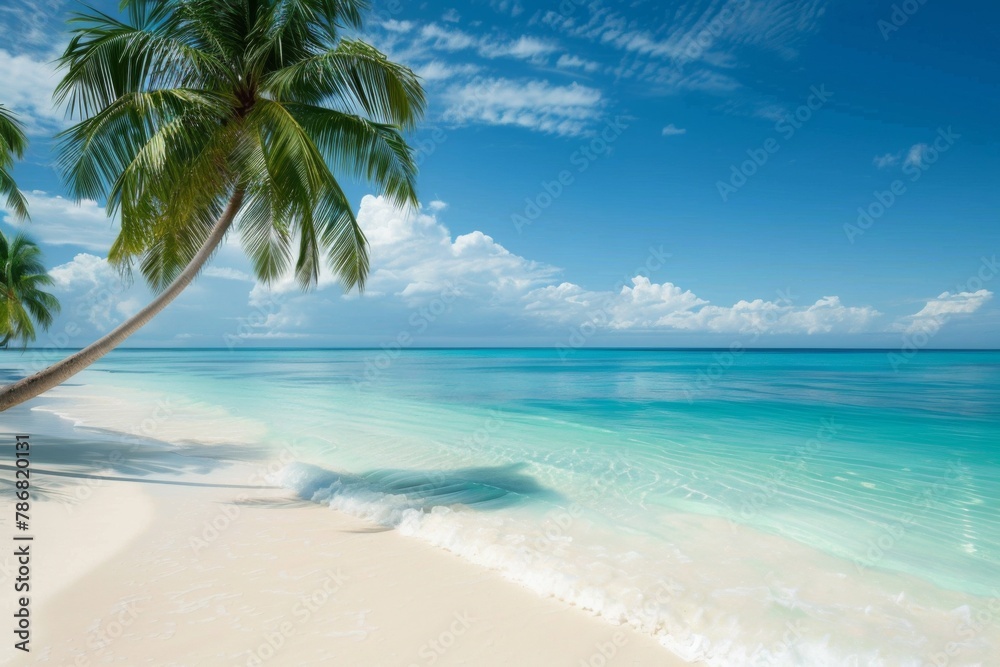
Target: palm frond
[{"x": 359, "y": 77}]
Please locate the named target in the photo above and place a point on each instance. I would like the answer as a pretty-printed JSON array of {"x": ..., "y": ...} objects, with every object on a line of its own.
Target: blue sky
[{"x": 712, "y": 173}]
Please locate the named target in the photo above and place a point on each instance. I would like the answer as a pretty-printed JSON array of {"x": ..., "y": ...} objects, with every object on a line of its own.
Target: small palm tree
[
  {"x": 12, "y": 145},
  {"x": 23, "y": 304},
  {"x": 198, "y": 114}
]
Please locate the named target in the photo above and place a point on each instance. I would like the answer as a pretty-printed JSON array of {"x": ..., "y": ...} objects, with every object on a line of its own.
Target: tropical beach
[
  {"x": 370, "y": 333},
  {"x": 776, "y": 535},
  {"x": 186, "y": 567}
]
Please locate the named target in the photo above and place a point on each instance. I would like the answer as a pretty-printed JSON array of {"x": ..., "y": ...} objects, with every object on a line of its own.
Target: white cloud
[
  {"x": 453, "y": 39},
  {"x": 915, "y": 156},
  {"x": 451, "y": 16},
  {"x": 512, "y": 7},
  {"x": 447, "y": 40},
  {"x": 535, "y": 105},
  {"x": 886, "y": 161},
  {"x": 392, "y": 25},
  {"x": 416, "y": 260},
  {"x": 92, "y": 290},
  {"x": 227, "y": 273},
  {"x": 672, "y": 130},
  {"x": 436, "y": 70},
  {"x": 31, "y": 23},
  {"x": 567, "y": 61},
  {"x": 413, "y": 254},
  {"x": 937, "y": 312},
  {"x": 59, "y": 221},
  {"x": 649, "y": 306},
  {"x": 27, "y": 83},
  {"x": 700, "y": 48},
  {"x": 524, "y": 47}
]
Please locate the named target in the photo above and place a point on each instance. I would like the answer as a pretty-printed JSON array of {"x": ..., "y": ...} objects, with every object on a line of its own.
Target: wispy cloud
[
  {"x": 672, "y": 130},
  {"x": 392, "y": 25},
  {"x": 437, "y": 70},
  {"x": 886, "y": 161},
  {"x": 31, "y": 24},
  {"x": 702, "y": 44},
  {"x": 524, "y": 47},
  {"x": 534, "y": 104},
  {"x": 512, "y": 7},
  {"x": 567, "y": 61},
  {"x": 451, "y": 39},
  {"x": 227, "y": 273},
  {"x": 447, "y": 39}
]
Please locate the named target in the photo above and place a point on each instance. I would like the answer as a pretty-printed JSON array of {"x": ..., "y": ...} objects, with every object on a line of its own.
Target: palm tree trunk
[{"x": 42, "y": 381}]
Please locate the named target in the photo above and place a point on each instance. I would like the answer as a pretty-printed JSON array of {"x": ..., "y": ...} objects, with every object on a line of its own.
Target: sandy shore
[{"x": 193, "y": 572}]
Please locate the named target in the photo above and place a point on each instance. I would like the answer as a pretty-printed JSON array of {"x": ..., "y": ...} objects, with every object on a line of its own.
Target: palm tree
[
  {"x": 22, "y": 301},
  {"x": 200, "y": 113},
  {"x": 12, "y": 145}
]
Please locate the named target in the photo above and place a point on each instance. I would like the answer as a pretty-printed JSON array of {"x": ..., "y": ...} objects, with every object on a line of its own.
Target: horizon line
[{"x": 384, "y": 348}]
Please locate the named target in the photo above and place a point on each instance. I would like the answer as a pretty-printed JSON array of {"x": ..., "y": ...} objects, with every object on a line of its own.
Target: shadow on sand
[{"x": 58, "y": 463}]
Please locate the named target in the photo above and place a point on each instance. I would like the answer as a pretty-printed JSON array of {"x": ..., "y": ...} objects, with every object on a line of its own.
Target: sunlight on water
[{"x": 788, "y": 508}]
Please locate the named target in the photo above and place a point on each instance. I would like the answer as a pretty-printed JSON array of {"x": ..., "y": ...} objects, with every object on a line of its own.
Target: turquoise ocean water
[{"x": 764, "y": 507}]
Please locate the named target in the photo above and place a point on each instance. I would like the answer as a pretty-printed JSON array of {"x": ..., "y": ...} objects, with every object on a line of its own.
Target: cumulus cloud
[
  {"x": 416, "y": 260},
  {"x": 59, "y": 221},
  {"x": 672, "y": 130},
  {"x": 27, "y": 83},
  {"x": 938, "y": 311},
  {"x": 650, "y": 306},
  {"x": 93, "y": 291},
  {"x": 535, "y": 105}
]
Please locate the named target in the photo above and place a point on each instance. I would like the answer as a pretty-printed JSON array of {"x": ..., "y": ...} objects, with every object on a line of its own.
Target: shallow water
[{"x": 772, "y": 507}]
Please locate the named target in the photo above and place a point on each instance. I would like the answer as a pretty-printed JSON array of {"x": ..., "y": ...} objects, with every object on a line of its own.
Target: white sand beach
[{"x": 142, "y": 573}]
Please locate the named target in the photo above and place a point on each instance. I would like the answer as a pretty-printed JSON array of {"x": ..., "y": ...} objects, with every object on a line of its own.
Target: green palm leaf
[
  {"x": 13, "y": 143},
  {"x": 23, "y": 301}
]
